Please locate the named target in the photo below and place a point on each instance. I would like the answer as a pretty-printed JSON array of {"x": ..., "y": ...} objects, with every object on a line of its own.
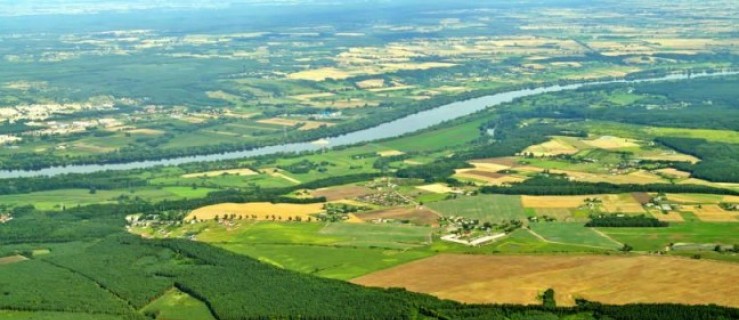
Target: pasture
[
  {"x": 607, "y": 279},
  {"x": 483, "y": 207}
]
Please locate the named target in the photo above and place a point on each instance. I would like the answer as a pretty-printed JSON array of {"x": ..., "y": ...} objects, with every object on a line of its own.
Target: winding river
[{"x": 395, "y": 128}]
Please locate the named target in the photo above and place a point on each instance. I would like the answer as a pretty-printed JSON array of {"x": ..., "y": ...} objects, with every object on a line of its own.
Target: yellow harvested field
[
  {"x": 12, "y": 259},
  {"x": 554, "y": 201},
  {"x": 390, "y": 153},
  {"x": 306, "y": 124},
  {"x": 237, "y": 172},
  {"x": 436, "y": 188},
  {"x": 492, "y": 167},
  {"x": 671, "y": 156},
  {"x": 671, "y": 172},
  {"x": 260, "y": 209},
  {"x": 712, "y": 213},
  {"x": 608, "y": 142},
  {"x": 621, "y": 203},
  {"x": 551, "y": 148},
  {"x": 610, "y": 202},
  {"x": 320, "y": 74},
  {"x": 371, "y": 84},
  {"x": 635, "y": 177},
  {"x": 146, "y": 131},
  {"x": 363, "y": 68},
  {"x": 606, "y": 279},
  {"x": 353, "y": 219},
  {"x": 490, "y": 178},
  {"x": 731, "y": 199}
]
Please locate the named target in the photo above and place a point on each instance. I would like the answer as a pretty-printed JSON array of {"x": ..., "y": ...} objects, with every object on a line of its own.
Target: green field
[
  {"x": 572, "y": 233},
  {"x": 336, "y": 250},
  {"x": 58, "y": 199},
  {"x": 483, "y": 207},
  {"x": 690, "y": 232},
  {"x": 639, "y": 131},
  {"x": 378, "y": 235},
  {"x": 337, "y": 262},
  {"x": 176, "y": 305}
]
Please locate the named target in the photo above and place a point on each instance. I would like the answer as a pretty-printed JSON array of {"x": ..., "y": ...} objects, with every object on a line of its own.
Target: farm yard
[{"x": 606, "y": 279}]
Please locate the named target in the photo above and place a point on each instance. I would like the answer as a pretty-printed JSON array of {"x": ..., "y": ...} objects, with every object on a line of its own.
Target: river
[{"x": 395, "y": 128}]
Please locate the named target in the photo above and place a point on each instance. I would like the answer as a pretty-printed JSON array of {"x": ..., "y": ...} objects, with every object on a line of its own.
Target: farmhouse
[{"x": 473, "y": 242}]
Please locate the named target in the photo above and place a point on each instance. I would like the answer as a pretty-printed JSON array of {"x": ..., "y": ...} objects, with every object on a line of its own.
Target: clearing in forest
[
  {"x": 177, "y": 305},
  {"x": 607, "y": 279}
]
